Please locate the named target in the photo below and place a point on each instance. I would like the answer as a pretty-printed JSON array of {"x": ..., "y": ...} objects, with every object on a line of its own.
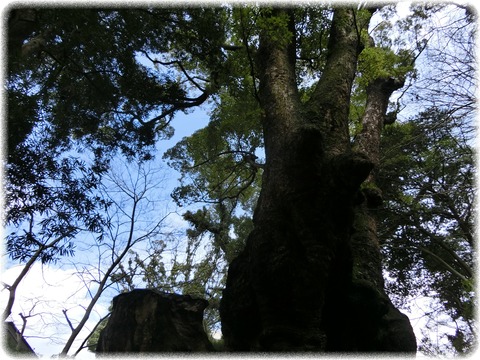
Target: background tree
[
  {"x": 75, "y": 74},
  {"x": 50, "y": 200},
  {"x": 130, "y": 194},
  {"x": 431, "y": 209},
  {"x": 427, "y": 221}
]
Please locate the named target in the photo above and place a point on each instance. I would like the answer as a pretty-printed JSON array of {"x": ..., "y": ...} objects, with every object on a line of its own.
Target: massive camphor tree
[{"x": 309, "y": 277}]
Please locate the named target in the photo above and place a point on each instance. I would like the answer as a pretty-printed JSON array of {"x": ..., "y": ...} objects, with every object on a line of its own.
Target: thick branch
[
  {"x": 188, "y": 103},
  {"x": 231, "y": 47},
  {"x": 248, "y": 157},
  {"x": 378, "y": 94},
  {"x": 280, "y": 102},
  {"x": 326, "y": 107}
]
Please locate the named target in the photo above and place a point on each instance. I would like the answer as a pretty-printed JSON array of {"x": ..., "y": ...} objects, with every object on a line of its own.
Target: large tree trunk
[{"x": 292, "y": 288}]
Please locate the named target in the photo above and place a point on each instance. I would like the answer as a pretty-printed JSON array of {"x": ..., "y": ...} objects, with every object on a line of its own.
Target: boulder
[{"x": 152, "y": 321}]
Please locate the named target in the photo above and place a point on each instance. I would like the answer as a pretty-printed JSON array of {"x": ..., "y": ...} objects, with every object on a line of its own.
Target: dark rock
[
  {"x": 15, "y": 342},
  {"x": 152, "y": 321}
]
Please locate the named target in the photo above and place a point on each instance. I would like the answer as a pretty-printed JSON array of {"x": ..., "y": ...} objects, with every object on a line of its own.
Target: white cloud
[
  {"x": 43, "y": 294},
  {"x": 403, "y": 8}
]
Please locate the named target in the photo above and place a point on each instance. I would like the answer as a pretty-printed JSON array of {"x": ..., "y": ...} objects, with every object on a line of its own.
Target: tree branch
[
  {"x": 248, "y": 157},
  {"x": 102, "y": 284},
  {"x": 13, "y": 288},
  {"x": 444, "y": 263},
  {"x": 64, "y": 311},
  {"x": 179, "y": 64},
  {"x": 82, "y": 345}
]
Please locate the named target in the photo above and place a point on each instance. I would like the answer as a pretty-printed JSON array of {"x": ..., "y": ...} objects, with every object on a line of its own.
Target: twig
[{"x": 68, "y": 320}]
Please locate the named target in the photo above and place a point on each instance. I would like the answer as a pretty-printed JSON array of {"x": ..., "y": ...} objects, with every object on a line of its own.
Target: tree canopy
[{"x": 88, "y": 85}]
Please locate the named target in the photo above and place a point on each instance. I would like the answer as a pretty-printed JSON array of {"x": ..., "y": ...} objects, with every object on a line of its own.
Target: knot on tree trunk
[
  {"x": 351, "y": 169},
  {"x": 152, "y": 321}
]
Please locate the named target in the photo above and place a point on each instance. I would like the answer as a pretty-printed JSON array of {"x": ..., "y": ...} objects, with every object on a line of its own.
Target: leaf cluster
[
  {"x": 382, "y": 63},
  {"x": 274, "y": 25},
  {"x": 220, "y": 162},
  {"x": 50, "y": 199},
  {"x": 312, "y": 33}
]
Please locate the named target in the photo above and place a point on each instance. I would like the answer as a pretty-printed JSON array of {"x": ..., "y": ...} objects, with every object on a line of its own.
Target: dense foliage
[
  {"x": 427, "y": 222},
  {"x": 78, "y": 94}
]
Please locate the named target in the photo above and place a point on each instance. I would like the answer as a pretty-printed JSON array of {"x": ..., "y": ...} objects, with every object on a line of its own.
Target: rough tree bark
[{"x": 297, "y": 285}]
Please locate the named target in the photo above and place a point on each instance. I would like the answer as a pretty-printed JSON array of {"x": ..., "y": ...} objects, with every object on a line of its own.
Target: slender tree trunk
[
  {"x": 293, "y": 281},
  {"x": 103, "y": 282},
  {"x": 12, "y": 289}
]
